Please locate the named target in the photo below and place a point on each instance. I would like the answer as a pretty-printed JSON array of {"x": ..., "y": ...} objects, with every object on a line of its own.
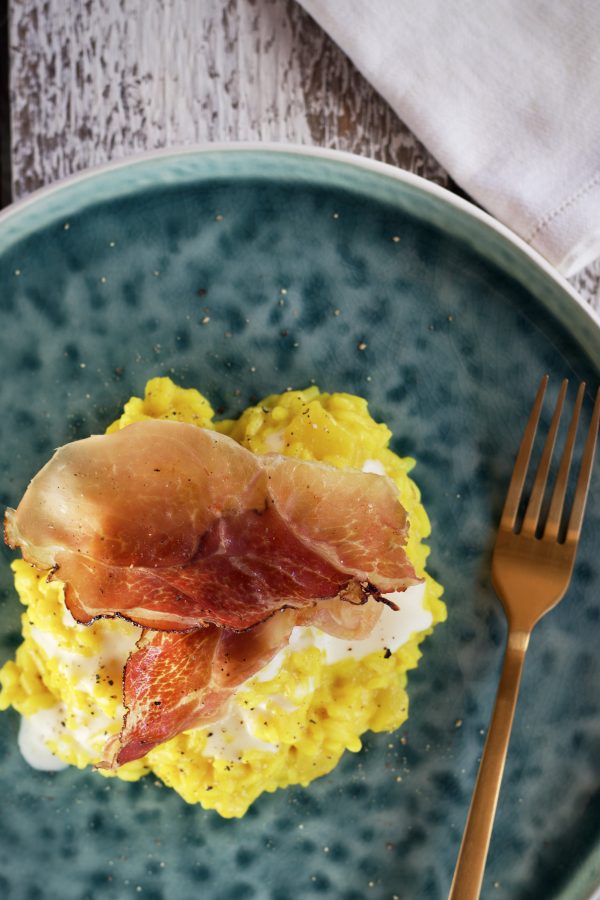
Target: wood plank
[{"x": 96, "y": 81}]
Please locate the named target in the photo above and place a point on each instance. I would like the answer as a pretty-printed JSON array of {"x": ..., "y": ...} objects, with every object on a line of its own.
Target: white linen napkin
[{"x": 506, "y": 95}]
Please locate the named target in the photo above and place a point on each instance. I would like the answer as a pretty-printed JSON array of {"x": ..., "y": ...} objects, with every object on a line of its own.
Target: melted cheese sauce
[
  {"x": 233, "y": 734},
  {"x": 34, "y": 731}
]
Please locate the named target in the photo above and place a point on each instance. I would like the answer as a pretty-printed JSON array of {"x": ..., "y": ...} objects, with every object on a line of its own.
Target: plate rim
[{"x": 333, "y": 155}]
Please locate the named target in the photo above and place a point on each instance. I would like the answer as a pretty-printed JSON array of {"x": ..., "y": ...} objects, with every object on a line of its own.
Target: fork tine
[
  {"x": 585, "y": 473},
  {"x": 555, "y": 512},
  {"x": 515, "y": 488},
  {"x": 532, "y": 514}
]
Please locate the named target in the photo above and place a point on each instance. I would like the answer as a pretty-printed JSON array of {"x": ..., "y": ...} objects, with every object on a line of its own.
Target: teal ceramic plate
[{"x": 105, "y": 281}]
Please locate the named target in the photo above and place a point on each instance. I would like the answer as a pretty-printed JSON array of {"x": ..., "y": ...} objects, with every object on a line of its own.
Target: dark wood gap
[{"x": 5, "y": 143}]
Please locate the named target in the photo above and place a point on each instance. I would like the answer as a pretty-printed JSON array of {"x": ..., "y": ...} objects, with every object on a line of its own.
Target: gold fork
[{"x": 531, "y": 571}]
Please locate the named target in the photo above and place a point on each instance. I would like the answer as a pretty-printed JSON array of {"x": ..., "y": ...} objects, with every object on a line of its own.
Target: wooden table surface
[{"x": 96, "y": 81}]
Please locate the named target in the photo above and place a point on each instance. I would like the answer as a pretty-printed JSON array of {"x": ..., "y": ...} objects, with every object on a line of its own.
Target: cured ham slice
[
  {"x": 216, "y": 552},
  {"x": 341, "y": 619},
  {"x": 175, "y": 527},
  {"x": 173, "y": 681}
]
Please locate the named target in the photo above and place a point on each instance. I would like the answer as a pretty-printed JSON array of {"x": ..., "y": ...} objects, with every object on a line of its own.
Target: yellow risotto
[{"x": 290, "y": 723}]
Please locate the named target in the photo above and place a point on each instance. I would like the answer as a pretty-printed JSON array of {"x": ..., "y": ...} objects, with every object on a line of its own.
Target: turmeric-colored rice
[{"x": 309, "y": 711}]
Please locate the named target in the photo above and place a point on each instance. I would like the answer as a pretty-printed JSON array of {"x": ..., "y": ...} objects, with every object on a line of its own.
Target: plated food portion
[{"x": 229, "y": 604}]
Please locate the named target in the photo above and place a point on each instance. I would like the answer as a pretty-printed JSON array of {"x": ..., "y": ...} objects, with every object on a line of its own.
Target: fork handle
[{"x": 468, "y": 874}]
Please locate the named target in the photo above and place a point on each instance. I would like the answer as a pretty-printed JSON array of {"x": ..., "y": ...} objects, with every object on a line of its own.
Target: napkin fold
[{"x": 506, "y": 95}]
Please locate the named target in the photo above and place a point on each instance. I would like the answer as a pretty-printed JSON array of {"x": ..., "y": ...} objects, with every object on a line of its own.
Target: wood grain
[{"x": 97, "y": 80}]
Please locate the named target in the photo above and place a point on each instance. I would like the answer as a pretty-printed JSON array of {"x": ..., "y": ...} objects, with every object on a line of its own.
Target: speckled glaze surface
[{"x": 243, "y": 273}]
